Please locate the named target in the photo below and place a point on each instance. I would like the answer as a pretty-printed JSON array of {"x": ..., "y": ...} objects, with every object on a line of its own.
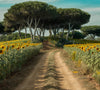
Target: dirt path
[
  {"x": 67, "y": 80},
  {"x": 35, "y": 79}
]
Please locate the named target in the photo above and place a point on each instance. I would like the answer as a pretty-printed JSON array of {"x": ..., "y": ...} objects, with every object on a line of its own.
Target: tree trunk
[
  {"x": 29, "y": 23},
  {"x": 25, "y": 32},
  {"x": 54, "y": 32},
  {"x": 19, "y": 32},
  {"x": 72, "y": 33},
  {"x": 50, "y": 33},
  {"x": 39, "y": 33},
  {"x": 35, "y": 29},
  {"x": 31, "y": 33},
  {"x": 92, "y": 36},
  {"x": 62, "y": 32},
  {"x": 43, "y": 32},
  {"x": 67, "y": 36},
  {"x": 58, "y": 33}
]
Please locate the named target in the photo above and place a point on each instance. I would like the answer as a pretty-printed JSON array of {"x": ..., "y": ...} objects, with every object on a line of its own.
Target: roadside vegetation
[
  {"x": 13, "y": 54},
  {"x": 65, "y": 31},
  {"x": 86, "y": 57}
]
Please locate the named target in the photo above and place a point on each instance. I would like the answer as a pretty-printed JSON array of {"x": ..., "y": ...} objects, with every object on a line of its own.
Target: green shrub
[
  {"x": 77, "y": 35},
  {"x": 61, "y": 42}
]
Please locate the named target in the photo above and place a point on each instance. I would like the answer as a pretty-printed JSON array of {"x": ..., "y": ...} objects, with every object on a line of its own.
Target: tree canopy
[
  {"x": 39, "y": 16},
  {"x": 91, "y": 30},
  {"x": 1, "y": 27}
]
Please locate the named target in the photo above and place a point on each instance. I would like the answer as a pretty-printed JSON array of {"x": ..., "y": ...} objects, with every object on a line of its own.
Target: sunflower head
[
  {"x": 2, "y": 46},
  {"x": 13, "y": 46},
  {"x": 18, "y": 48},
  {"x": 97, "y": 49},
  {"x": 1, "y": 51}
]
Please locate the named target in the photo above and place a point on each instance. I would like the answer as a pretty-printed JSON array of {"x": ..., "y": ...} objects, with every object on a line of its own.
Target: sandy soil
[
  {"x": 35, "y": 80},
  {"x": 67, "y": 80}
]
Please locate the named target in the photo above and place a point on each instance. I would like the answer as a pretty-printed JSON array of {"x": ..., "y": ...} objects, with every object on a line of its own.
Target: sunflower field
[
  {"x": 87, "y": 57},
  {"x": 13, "y": 54}
]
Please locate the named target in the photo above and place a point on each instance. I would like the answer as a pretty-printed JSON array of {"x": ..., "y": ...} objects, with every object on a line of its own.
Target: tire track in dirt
[
  {"x": 35, "y": 79},
  {"x": 66, "y": 79}
]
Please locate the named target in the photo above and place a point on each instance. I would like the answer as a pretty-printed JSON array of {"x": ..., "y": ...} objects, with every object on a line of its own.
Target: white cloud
[
  {"x": 95, "y": 15},
  {"x": 2, "y": 11},
  {"x": 92, "y": 9}
]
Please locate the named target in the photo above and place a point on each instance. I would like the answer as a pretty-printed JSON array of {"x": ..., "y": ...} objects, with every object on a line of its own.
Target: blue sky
[{"x": 91, "y": 6}]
